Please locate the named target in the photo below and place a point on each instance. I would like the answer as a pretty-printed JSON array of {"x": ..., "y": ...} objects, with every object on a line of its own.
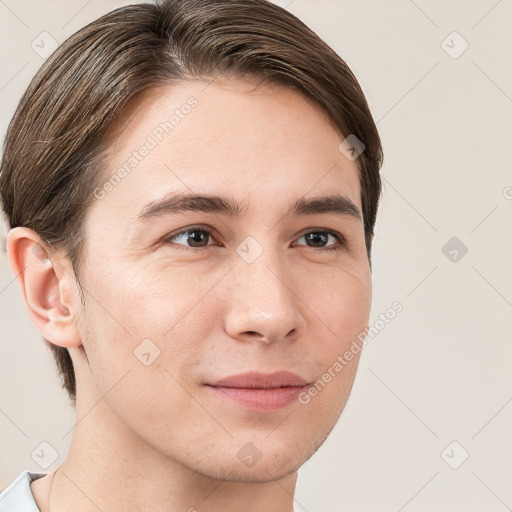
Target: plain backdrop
[{"x": 428, "y": 424}]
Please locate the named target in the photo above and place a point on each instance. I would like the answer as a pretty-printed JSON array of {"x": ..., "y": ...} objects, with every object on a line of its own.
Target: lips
[
  {"x": 261, "y": 381},
  {"x": 258, "y": 391}
]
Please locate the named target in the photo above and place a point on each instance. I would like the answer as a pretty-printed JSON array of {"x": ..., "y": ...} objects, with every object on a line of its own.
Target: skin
[{"x": 153, "y": 437}]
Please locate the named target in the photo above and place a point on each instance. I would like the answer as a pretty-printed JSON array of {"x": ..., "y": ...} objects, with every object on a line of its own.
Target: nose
[{"x": 263, "y": 304}]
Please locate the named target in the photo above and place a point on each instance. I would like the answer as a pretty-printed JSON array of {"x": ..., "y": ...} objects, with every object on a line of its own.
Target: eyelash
[{"x": 340, "y": 245}]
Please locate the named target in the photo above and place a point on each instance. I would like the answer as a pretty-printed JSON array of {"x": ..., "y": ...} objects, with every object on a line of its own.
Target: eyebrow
[{"x": 176, "y": 202}]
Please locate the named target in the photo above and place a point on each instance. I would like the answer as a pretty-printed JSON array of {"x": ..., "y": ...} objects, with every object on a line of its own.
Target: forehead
[{"x": 226, "y": 138}]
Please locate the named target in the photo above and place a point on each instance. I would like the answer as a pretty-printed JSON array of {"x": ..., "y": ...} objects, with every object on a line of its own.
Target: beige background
[{"x": 440, "y": 371}]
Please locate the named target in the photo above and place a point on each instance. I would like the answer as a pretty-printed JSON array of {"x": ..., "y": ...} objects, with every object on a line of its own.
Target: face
[{"x": 177, "y": 300}]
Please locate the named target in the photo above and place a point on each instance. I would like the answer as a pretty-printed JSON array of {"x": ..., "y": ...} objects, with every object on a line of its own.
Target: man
[{"x": 192, "y": 237}]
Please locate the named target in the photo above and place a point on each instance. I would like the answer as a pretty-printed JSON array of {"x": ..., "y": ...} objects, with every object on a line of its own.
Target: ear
[{"x": 46, "y": 285}]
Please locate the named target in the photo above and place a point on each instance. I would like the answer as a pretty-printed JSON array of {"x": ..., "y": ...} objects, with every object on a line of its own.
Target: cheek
[
  {"x": 339, "y": 316},
  {"x": 341, "y": 302},
  {"x": 135, "y": 312},
  {"x": 136, "y": 299},
  {"x": 141, "y": 345}
]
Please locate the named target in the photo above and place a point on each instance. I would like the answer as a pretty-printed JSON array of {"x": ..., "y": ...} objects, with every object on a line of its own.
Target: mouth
[{"x": 260, "y": 392}]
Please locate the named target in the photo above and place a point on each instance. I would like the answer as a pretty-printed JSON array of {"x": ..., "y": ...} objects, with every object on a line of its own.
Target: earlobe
[{"x": 45, "y": 291}]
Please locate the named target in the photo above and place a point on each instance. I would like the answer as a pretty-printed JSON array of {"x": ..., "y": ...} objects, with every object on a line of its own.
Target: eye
[
  {"x": 322, "y": 237},
  {"x": 196, "y": 236}
]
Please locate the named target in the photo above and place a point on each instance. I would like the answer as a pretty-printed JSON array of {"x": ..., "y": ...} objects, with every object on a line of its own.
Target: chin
[{"x": 263, "y": 471}]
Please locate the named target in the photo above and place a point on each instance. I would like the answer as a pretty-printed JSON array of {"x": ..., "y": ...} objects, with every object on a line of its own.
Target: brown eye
[
  {"x": 320, "y": 239},
  {"x": 192, "y": 238}
]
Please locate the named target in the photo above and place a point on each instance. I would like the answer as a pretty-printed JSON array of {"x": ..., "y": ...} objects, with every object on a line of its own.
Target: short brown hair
[{"x": 56, "y": 138}]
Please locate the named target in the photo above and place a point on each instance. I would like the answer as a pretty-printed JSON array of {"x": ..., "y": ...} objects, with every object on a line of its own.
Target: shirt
[{"x": 18, "y": 496}]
